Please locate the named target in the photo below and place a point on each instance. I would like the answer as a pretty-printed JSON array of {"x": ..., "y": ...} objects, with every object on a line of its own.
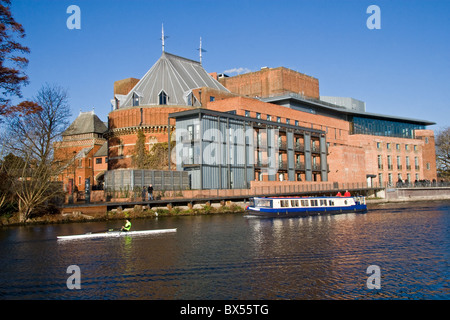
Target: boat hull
[
  {"x": 303, "y": 212},
  {"x": 115, "y": 234}
]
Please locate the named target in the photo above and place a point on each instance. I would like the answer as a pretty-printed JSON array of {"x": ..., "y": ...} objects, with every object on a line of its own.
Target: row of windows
[
  {"x": 398, "y": 147},
  {"x": 163, "y": 99},
  {"x": 97, "y": 161},
  {"x": 307, "y": 203},
  {"x": 399, "y": 162},
  {"x": 390, "y": 177},
  {"x": 377, "y": 127},
  {"x": 337, "y": 132}
]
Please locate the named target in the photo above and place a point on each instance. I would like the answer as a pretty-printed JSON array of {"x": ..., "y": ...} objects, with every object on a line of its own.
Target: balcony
[
  {"x": 299, "y": 147},
  {"x": 300, "y": 166}
]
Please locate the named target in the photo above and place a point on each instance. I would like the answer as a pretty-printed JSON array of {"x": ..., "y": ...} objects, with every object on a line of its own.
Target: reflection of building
[{"x": 319, "y": 138}]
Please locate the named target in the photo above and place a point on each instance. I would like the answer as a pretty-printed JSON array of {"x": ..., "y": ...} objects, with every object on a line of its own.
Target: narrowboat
[{"x": 281, "y": 207}]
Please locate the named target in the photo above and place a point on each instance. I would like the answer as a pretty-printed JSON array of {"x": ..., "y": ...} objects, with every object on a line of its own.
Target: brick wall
[
  {"x": 429, "y": 153},
  {"x": 267, "y": 82}
]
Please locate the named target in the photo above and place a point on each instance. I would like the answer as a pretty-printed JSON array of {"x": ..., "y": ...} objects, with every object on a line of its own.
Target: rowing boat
[{"x": 115, "y": 234}]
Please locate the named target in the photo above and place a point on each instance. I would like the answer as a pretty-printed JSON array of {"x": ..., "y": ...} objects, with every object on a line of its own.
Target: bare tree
[
  {"x": 30, "y": 185},
  {"x": 32, "y": 136},
  {"x": 443, "y": 153}
]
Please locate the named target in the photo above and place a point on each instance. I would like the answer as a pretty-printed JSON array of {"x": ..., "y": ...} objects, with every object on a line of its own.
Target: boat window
[
  {"x": 263, "y": 203},
  {"x": 323, "y": 202},
  {"x": 345, "y": 201},
  {"x": 314, "y": 203},
  {"x": 294, "y": 203},
  {"x": 284, "y": 203},
  {"x": 305, "y": 203},
  {"x": 331, "y": 202}
]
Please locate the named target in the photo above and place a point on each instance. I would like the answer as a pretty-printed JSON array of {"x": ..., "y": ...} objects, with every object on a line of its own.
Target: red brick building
[
  {"x": 82, "y": 151},
  {"x": 361, "y": 147}
]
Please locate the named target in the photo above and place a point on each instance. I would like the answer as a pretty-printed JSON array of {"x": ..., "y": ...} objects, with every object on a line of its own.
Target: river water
[{"x": 235, "y": 257}]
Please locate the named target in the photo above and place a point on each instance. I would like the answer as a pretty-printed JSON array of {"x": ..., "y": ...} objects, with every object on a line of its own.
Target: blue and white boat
[{"x": 281, "y": 207}]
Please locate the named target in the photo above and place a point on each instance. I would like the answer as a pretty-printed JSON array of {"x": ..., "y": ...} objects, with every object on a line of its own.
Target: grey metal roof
[
  {"x": 342, "y": 110},
  {"x": 86, "y": 122},
  {"x": 174, "y": 75}
]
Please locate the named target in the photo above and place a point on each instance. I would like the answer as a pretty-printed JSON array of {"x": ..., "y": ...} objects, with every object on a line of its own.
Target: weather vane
[
  {"x": 201, "y": 50},
  {"x": 163, "y": 37}
]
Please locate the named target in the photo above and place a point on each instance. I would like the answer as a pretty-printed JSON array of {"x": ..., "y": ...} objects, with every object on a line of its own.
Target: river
[{"x": 234, "y": 257}]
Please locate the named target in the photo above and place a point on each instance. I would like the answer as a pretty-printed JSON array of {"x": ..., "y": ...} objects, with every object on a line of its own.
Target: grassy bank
[{"x": 138, "y": 212}]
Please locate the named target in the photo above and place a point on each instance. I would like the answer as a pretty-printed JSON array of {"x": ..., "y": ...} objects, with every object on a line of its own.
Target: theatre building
[{"x": 269, "y": 127}]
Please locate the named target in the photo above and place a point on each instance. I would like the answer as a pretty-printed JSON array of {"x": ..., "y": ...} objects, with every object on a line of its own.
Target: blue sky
[{"x": 402, "y": 69}]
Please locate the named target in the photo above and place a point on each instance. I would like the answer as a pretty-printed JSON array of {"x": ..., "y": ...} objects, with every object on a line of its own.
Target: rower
[{"x": 127, "y": 226}]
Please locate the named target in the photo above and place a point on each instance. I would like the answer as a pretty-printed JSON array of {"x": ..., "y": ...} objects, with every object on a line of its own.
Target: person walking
[{"x": 150, "y": 192}]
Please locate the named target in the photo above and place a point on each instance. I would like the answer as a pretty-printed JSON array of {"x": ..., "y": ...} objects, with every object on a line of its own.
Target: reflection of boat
[
  {"x": 305, "y": 206},
  {"x": 115, "y": 234}
]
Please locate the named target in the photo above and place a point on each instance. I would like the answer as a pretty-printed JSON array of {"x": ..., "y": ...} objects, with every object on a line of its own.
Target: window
[
  {"x": 397, "y": 146},
  {"x": 388, "y": 146},
  {"x": 380, "y": 162},
  {"x": 284, "y": 203},
  {"x": 399, "y": 162},
  {"x": 211, "y": 99},
  {"x": 269, "y": 117},
  {"x": 190, "y": 129},
  {"x": 79, "y": 180},
  {"x": 98, "y": 160},
  {"x": 80, "y": 163},
  {"x": 378, "y": 127},
  {"x": 120, "y": 149},
  {"x": 378, "y": 145},
  {"x": 426, "y": 140},
  {"x": 258, "y": 115},
  {"x": 296, "y": 122},
  {"x": 288, "y": 121},
  {"x": 294, "y": 203},
  {"x": 162, "y": 97},
  {"x": 428, "y": 166},
  {"x": 247, "y": 113},
  {"x": 135, "y": 99},
  {"x": 278, "y": 119},
  {"x": 406, "y": 147},
  {"x": 305, "y": 203}
]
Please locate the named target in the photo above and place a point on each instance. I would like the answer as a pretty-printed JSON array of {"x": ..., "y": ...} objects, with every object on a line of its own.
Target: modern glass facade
[
  {"x": 221, "y": 150},
  {"x": 378, "y": 127}
]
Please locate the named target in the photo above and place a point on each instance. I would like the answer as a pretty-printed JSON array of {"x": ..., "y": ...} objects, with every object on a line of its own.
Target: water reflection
[{"x": 232, "y": 257}]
